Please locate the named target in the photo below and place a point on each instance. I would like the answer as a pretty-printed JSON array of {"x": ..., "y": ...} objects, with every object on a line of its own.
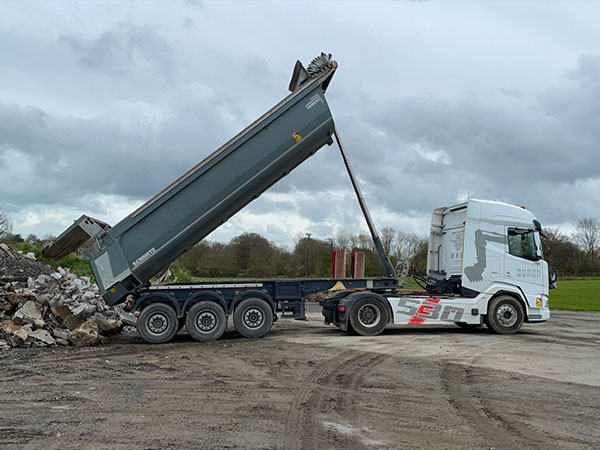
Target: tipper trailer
[{"x": 126, "y": 257}]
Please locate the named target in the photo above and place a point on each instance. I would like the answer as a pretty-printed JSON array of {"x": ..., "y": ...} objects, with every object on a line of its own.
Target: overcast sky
[{"x": 103, "y": 104}]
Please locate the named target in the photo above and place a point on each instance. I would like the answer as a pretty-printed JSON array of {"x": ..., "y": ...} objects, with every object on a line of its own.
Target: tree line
[{"x": 251, "y": 255}]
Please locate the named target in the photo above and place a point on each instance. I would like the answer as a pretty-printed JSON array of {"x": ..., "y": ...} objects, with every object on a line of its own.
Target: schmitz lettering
[
  {"x": 313, "y": 101},
  {"x": 144, "y": 257}
]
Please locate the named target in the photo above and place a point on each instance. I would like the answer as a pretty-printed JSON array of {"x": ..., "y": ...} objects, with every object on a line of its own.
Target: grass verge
[{"x": 576, "y": 295}]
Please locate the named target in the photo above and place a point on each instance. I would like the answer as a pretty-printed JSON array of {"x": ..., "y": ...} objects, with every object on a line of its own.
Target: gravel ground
[{"x": 310, "y": 386}]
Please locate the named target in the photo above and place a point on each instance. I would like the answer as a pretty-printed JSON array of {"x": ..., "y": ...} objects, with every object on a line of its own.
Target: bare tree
[
  {"x": 343, "y": 241},
  {"x": 5, "y": 225},
  {"x": 405, "y": 245},
  {"x": 387, "y": 237},
  {"x": 587, "y": 235}
]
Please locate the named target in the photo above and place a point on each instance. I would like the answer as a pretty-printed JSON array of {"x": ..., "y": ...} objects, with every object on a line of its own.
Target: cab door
[{"x": 524, "y": 265}]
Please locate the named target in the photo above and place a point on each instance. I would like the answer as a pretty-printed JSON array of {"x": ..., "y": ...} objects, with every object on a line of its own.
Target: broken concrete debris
[
  {"x": 85, "y": 334},
  {"x": 40, "y": 307}
]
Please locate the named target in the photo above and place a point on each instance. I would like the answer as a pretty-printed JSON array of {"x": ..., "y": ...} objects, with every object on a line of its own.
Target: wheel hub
[
  {"x": 507, "y": 315},
  {"x": 158, "y": 323},
  {"x": 206, "y": 321},
  {"x": 253, "y": 318},
  {"x": 368, "y": 315}
]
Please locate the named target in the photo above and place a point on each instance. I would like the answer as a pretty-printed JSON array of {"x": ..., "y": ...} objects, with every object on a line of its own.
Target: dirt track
[{"x": 308, "y": 386}]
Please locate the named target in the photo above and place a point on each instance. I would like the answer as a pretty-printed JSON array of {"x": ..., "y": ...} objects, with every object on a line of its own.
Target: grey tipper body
[{"x": 125, "y": 257}]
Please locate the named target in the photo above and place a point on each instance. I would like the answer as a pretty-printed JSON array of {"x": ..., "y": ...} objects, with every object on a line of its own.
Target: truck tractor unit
[{"x": 484, "y": 266}]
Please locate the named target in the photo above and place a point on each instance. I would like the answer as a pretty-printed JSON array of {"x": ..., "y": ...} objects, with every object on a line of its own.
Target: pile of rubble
[
  {"x": 47, "y": 308},
  {"x": 17, "y": 267}
]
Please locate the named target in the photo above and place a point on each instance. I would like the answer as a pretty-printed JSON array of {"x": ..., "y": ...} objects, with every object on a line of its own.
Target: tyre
[
  {"x": 253, "y": 317},
  {"x": 368, "y": 316},
  {"x": 157, "y": 323},
  {"x": 206, "y": 321},
  {"x": 505, "y": 315}
]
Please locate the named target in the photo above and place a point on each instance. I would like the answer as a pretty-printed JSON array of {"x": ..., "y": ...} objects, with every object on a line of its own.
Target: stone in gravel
[
  {"x": 85, "y": 334},
  {"x": 61, "y": 333},
  {"x": 84, "y": 310},
  {"x": 62, "y": 312},
  {"x": 29, "y": 313},
  {"x": 17, "y": 298},
  {"x": 60, "y": 341},
  {"x": 72, "y": 322},
  {"x": 67, "y": 318},
  {"x": 44, "y": 337},
  {"x": 4, "y": 345},
  {"x": 89, "y": 295},
  {"x": 107, "y": 326},
  {"x": 14, "y": 333}
]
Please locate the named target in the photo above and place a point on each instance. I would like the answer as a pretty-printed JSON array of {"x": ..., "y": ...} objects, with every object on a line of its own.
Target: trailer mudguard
[
  {"x": 204, "y": 295},
  {"x": 157, "y": 297},
  {"x": 252, "y": 293}
]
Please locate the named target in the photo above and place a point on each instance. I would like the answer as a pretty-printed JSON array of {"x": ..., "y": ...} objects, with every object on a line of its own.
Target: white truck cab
[{"x": 485, "y": 266}]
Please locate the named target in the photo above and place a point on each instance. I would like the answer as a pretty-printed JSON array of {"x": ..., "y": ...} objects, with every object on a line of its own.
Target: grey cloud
[
  {"x": 121, "y": 49},
  {"x": 72, "y": 157},
  {"x": 517, "y": 151},
  {"x": 124, "y": 109}
]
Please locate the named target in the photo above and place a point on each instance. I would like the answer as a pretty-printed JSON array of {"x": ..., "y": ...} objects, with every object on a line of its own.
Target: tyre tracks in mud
[
  {"x": 303, "y": 429},
  {"x": 496, "y": 430}
]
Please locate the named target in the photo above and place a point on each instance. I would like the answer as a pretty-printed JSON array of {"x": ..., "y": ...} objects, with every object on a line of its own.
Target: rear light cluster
[{"x": 341, "y": 308}]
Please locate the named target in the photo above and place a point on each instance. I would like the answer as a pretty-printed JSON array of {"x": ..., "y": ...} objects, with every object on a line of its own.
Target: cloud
[
  {"x": 122, "y": 49},
  {"x": 98, "y": 118}
]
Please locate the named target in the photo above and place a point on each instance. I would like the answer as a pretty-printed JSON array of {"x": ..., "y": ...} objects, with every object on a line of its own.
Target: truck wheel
[
  {"x": 505, "y": 315},
  {"x": 157, "y": 323},
  {"x": 206, "y": 321},
  {"x": 368, "y": 316},
  {"x": 253, "y": 318}
]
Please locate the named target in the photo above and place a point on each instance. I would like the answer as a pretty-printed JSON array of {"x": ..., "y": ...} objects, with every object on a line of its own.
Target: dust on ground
[{"x": 310, "y": 386}]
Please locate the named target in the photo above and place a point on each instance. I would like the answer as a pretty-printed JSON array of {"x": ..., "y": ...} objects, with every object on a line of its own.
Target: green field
[{"x": 581, "y": 294}]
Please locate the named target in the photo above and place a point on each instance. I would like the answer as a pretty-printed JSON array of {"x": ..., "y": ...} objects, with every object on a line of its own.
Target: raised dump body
[{"x": 127, "y": 256}]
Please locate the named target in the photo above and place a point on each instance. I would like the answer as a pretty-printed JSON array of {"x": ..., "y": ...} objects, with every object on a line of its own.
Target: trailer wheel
[
  {"x": 505, "y": 315},
  {"x": 206, "y": 321},
  {"x": 368, "y": 316},
  {"x": 253, "y": 318},
  {"x": 157, "y": 323}
]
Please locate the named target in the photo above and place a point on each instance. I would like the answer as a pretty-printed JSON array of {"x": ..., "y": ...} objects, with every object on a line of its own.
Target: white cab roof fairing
[{"x": 499, "y": 213}]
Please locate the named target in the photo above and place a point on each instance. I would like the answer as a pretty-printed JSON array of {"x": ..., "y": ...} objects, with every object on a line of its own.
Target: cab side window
[{"x": 521, "y": 243}]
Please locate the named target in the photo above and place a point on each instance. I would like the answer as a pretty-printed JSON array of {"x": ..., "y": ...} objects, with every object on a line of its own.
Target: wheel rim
[
  {"x": 507, "y": 315},
  {"x": 253, "y": 318},
  {"x": 369, "y": 315},
  {"x": 206, "y": 321},
  {"x": 158, "y": 323}
]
